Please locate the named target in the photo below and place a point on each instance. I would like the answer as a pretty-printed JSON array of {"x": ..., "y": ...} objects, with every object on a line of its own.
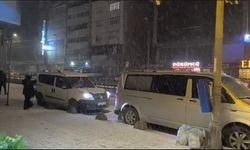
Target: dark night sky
[
  {"x": 178, "y": 20},
  {"x": 184, "y": 20}
]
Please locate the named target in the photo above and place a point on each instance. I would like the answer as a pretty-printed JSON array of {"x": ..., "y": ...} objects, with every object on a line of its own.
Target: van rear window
[{"x": 139, "y": 82}]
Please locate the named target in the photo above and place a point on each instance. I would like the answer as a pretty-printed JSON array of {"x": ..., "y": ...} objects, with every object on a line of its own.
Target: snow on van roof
[{"x": 170, "y": 72}]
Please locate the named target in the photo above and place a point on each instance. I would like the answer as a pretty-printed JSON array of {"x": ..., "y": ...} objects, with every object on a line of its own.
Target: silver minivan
[
  {"x": 71, "y": 90},
  {"x": 171, "y": 99}
]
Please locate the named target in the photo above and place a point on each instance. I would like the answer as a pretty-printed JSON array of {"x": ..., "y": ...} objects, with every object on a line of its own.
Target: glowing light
[
  {"x": 72, "y": 63},
  {"x": 14, "y": 35},
  {"x": 247, "y": 38},
  {"x": 158, "y": 2},
  {"x": 186, "y": 64}
]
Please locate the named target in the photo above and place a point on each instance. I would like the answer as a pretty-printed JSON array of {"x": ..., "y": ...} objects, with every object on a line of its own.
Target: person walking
[
  {"x": 3, "y": 80},
  {"x": 28, "y": 91}
]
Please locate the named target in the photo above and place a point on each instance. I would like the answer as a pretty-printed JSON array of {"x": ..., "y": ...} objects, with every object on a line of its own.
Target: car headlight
[
  {"x": 108, "y": 94},
  {"x": 88, "y": 96}
]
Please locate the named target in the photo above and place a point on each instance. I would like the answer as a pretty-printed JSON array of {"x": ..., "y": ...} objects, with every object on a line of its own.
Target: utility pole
[
  {"x": 215, "y": 127},
  {"x": 148, "y": 52},
  {"x": 9, "y": 68},
  {"x": 245, "y": 27}
]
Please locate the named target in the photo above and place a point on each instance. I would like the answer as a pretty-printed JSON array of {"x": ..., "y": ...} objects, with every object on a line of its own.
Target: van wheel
[
  {"x": 130, "y": 115},
  {"x": 237, "y": 137},
  {"x": 40, "y": 99},
  {"x": 73, "y": 107}
]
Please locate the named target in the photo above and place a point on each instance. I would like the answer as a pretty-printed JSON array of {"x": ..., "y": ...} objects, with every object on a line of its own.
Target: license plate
[{"x": 101, "y": 103}]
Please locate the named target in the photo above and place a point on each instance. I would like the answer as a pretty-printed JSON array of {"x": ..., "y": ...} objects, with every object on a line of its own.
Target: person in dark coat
[
  {"x": 28, "y": 91},
  {"x": 3, "y": 80}
]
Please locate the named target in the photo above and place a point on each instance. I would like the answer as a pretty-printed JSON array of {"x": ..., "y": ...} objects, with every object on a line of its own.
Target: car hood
[{"x": 92, "y": 90}]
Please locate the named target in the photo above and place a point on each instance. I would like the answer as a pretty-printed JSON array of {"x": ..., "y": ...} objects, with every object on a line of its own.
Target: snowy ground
[{"x": 45, "y": 128}]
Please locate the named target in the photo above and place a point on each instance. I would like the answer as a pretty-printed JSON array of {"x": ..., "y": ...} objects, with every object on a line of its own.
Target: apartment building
[
  {"x": 77, "y": 33},
  {"x": 56, "y": 35},
  {"x": 119, "y": 35}
]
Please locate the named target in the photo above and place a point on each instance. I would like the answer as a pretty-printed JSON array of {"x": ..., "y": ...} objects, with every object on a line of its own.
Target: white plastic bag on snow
[
  {"x": 182, "y": 135},
  {"x": 196, "y": 138}
]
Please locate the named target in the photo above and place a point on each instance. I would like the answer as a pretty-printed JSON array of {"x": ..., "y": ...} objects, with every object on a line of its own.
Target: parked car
[
  {"x": 70, "y": 90},
  {"x": 171, "y": 99}
]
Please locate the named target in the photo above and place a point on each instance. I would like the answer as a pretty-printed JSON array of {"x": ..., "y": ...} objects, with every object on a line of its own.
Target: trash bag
[
  {"x": 196, "y": 138},
  {"x": 182, "y": 134}
]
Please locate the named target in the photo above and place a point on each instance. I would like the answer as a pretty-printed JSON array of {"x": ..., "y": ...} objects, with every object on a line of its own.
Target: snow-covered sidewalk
[{"x": 45, "y": 128}]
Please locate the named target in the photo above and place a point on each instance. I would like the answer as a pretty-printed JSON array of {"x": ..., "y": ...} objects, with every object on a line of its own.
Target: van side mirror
[{"x": 203, "y": 92}]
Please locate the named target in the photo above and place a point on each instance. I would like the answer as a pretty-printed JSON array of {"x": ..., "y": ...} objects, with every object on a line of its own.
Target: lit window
[{"x": 115, "y": 6}]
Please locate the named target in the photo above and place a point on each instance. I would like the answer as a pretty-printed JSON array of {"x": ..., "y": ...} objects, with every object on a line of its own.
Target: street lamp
[
  {"x": 14, "y": 35},
  {"x": 247, "y": 38},
  {"x": 72, "y": 63}
]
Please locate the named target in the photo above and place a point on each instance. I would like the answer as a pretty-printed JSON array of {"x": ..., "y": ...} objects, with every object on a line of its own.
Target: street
[{"x": 51, "y": 128}]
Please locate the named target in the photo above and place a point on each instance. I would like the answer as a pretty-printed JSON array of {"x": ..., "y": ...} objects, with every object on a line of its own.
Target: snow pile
[{"x": 191, "y": 136}]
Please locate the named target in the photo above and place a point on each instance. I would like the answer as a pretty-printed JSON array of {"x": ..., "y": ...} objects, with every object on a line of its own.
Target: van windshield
[
  {"x": 80, "y": 82},
  {"x": 236, "y": 88}
]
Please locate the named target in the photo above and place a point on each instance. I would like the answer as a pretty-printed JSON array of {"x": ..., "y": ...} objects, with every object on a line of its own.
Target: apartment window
[
  {"x": 115, "y": 20},
  {"x": 77, "y": 40},
  {"x": 98, "y": 38},
  {"x": 115, "y": 6},
  {"x": 78, "y": 15},
  {"x": 77, "y": 27},
  {"x": 98, "y": 10},
  {"x": 98, "y": 23}
]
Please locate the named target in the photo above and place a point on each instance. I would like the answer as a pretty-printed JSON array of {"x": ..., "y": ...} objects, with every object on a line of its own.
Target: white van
[
  {"x": 171, "y": 99},
  {"x": 70, "y": 90}
]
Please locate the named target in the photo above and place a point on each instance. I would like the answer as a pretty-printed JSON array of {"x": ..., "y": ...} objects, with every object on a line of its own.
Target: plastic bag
[
  {"x": 196, "y": 138},
  {"x": 182, "y": 135}
]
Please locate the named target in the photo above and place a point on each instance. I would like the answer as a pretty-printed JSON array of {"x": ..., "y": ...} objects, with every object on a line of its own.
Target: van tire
[
  {"x": 73, "y": 107},
  {"x": 130, "y": 115},
  {"x": 234, "y": 132},
  {"x": 40, "y": 99},
  {"x": 82, "y": 107}
]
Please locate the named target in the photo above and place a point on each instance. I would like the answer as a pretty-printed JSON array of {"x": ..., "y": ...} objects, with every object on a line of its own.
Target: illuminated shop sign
[
  {"x": 193, "y": 66},
  {"x": 186, "y": 64},
  {"x": 245, "y": 64}
]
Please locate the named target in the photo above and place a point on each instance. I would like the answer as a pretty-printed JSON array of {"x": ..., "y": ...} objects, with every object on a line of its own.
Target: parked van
[
  {"x": 70, "y": 90},
  {"x": 171, "y": 99}
]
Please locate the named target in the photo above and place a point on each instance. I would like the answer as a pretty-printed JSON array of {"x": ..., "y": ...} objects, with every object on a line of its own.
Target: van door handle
[
  {"x": 180, "y": 99},
  {"x": 192, "y": 101}
]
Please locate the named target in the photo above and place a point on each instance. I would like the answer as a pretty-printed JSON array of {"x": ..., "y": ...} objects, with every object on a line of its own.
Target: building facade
[
  {"x": 119, "y": 35},
  {"x": 56, "y": 36},
  {"x": 77, "y": 34}
]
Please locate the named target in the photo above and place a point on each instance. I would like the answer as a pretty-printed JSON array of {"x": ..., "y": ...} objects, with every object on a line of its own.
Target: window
[
  {"x": 47, "y": 79},
  {"x": 115, "y": 6},
  {"x": 225, "y": 97},
  {"x": 170, "y": 84},
  {"x": 77, "y": 40},
  {"x": 139, "y": 82},
  {"x": 99, "y": 10},
  {"x": 98, "y": 38},
  {"x": 115, "y": 20},
  {"x": 60, "y": 83},
  {"x": 77, "y": 27},
  {"x": 194, "y": 86},
  {"x": 78, "y": 15},
  {"x": 98, "y": 23}
]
